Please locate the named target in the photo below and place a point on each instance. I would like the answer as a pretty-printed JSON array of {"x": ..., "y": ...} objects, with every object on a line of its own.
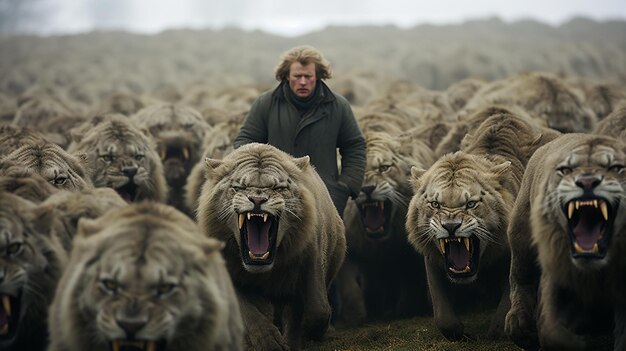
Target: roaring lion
[
  {"x": 569, "y": 216},
  {"x": 376, "y": 234},
  {"x": 178, "y": 132},
  {"x": 143, "y": 277},
  {"x": 284, "y": 241},
  {"x": 122, "y": 157},
  {"x": 61, "y": 169},
  {"x": 30, "y": 267},
  {"x": 458, "y": 217}
]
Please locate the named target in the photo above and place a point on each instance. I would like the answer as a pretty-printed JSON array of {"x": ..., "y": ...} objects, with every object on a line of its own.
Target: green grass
[{"x": 411, "y": 334}]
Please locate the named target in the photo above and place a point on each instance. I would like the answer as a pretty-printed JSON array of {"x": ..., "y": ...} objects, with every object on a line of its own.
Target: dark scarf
[{"x": 306, "y": 104}]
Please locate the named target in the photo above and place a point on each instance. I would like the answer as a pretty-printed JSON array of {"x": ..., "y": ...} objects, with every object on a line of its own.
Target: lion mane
[
  {"x": 284, "y": 240},
  {"x": 143, "y": 277}
]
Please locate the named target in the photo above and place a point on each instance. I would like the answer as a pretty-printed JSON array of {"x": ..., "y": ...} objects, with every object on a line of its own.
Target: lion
[
  {"x": 284, "y": 241},
  {"x": 122, "y": 157},
  {"x": 178, "y": 132},
  {"x": 143, "y": 277},
  {"x": 376, "y": 234},
  {"x": 13, "y": 137},
  {"x": 567, "y": 245},
  {"x": 458, "y": 216},
  {"x": 23, "y": 182},
  {"x": 31, "y": 266},
  {"x": 61, "y": 169},
  {"x": 217, "y": 143}
]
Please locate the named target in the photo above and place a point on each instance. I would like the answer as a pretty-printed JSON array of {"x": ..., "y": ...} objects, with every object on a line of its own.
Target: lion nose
[
  {"x": 368, "y": 189},
  {"x": 132, "y": 325},
  {"x": 257, "y": 200},
  {"x": 451, "y": 227},
  {"x": 588, "y": 182},
  {"x": 129, "y": 171}
]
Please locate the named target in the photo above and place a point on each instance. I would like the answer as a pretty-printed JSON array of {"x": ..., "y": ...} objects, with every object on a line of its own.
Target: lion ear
[
  {"x": 502, "y": 168},
  {"x": 211, "y": 245},
  {"x": 416, "y": 174},
  {"x": 76, "y": 134},
  {"x": 87, "y": 227},
  {"x": 211, "y": 164},
  {"x": 302, "y": 162}
]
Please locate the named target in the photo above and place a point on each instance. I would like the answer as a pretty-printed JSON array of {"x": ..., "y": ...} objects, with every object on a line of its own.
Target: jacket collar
[{"x": 327, "y": 94}]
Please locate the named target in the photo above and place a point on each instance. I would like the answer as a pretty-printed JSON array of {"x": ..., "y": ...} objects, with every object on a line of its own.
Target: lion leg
[
  {"x": 350, "y": 286},
  {"x": 317, "y": 311},
  {"x": 553, "y": 334},
  {"x": 520, "y": 322},
  {"x": 496, "y": 328},
  {"x": 261, "y": 333},
  {"x": 446, "y": 319}
]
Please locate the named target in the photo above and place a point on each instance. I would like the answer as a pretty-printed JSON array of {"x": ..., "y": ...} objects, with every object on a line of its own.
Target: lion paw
[
  {"x": 521, "y": 328},
  {"x": 268, "y": 338}
]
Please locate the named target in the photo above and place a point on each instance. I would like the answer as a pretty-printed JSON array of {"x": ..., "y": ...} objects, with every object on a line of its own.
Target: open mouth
[
  {"x": 590, "y": 222},
  {"x": 461, "y": 255},
  {"x": 258, "y": 237},
  {"x": 137, "y": 345},
  {"x": 9, "y": 316},
  {"x": 374, "y": 215},
  {"x": 174, "y": 152},
  {"x": 128, "y": 191}
]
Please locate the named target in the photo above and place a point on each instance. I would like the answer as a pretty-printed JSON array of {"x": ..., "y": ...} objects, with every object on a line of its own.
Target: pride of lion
[{"x": 129, "y": 222}]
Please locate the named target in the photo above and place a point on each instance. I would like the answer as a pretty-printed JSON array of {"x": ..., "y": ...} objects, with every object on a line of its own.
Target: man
[{"x": 302, "y": 116}]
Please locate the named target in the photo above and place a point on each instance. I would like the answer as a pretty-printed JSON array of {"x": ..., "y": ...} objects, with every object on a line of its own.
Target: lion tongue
[
  {"x": 587, "y": 233},
  {"x": 258, "y": 237},
  {"x": 458, "y": 255},
  {"x": 374, "y": 217}
]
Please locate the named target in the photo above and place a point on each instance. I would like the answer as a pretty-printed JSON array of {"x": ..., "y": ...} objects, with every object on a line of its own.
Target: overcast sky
[{"x": 291, "y": 18}]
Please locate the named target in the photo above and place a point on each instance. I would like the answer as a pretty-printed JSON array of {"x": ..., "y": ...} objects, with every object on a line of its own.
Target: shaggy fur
[
  {"x": 145, "y": 272},
  {"x": 31, "y": 265},
  {"x": 284, "y": 262},
  {"x": 122, "y": 157},
  {"x": 614, "y": 124},
  {"x": 581, "y": 267}
]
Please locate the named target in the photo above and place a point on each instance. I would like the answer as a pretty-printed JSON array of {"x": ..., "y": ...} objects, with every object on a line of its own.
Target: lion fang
[
  {"x": 6, "y": 303},
  {"x": 255, "y": 257}
]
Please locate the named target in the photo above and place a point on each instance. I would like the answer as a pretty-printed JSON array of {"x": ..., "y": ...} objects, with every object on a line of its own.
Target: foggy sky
[{"x": 291, "y": 18}]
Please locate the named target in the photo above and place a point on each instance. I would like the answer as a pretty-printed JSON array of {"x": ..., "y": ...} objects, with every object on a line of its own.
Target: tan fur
[
  {"x": 468, "y": 195},
  {"x": 145, "y": 262},
  {"x": 35, "y": 111},
  {"x": 31, "y": 265},
  {"x": 218, "y": 142},
  {"x": 306, "y": 240},
  {"x": 178, "y": 131},
  {"x": 382, "y": 253},
  {"x": 117, "y": 151},
  {"x": 461, "y": 92},
  {"x": 614, "y": 124},
  {"x": 61, "y": 169},
  {"x": 122, "y": 103},
  {"x": 568, "y": 168},
  {"x": 25, "y": 183},
  {"x": 542, "y": 95},
  {"x": 13, "y": 137}
]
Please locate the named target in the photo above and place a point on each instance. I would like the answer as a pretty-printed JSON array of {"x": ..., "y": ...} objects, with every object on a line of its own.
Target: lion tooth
[
  {"x": 442, "y": 246},
  {"x": 6, "y": 303},
  {"x": 570, "y": 210},
  {"x": 265, "y": 255},
  {"x": 605, "y": 210},
  {"x": 577, "y": 204},
  {"x": 595, "y": 203},
  {"x": 466, "y": 269},
  {"x": 185, "y": 153},
  {"x": 265, "y": 217},
  {"x": 595, "y": 249},
  {"x": 241, "y": 218},
  {"x": 255, "y": 257},
  {"x": 466, "y": 241},
  {"x": 578, "y": 248},
  {"x": 116, "y": 345},
  {"x": 249, "y": 215}
]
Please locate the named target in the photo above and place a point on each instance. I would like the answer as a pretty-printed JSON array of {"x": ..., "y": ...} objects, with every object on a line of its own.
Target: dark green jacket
[{"x": 274, "y": 120}]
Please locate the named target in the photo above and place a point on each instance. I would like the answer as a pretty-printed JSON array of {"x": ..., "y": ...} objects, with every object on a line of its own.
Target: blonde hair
[{"x": 304, "y": 54}]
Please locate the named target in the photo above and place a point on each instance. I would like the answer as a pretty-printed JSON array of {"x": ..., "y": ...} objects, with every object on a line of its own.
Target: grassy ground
[{"x": 411, "y": 334}]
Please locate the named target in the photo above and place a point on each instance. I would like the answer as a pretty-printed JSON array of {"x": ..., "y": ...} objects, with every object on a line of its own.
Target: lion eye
[
  {"x": 564, "y": 170},
  {"x": 14, "y": 249},
  {"x": 60, "y": 180},
  {"x": 471, "y": 204},
  {"x": 165, "y": 288},
  {"x": 384, "y": 168},
  {"x": 109, "y": 285},
  {"x": 139, "y": 157},
  {"x": 107, "y": 158},
  {"x": 435, "y": 204},
  {"x": 616, "y": 168},
  {"x": 238, "y": 187}
]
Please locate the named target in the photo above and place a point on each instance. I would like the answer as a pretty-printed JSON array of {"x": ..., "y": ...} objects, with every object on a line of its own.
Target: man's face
[{"x": 302, "y": 79}]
